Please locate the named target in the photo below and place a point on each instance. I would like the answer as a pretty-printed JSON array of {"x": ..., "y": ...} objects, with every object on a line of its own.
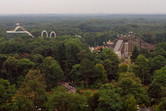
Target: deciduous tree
[
  {"x": 86, "y": 69},
  {"x": 143, "y": 69},
  {"x": 110, "y": 62},
  {"x": 62, "y": 100},
  {"x": 135, "y": 53},
  {"x": 109, "y": 100},
  {"x": 7, "y": 92},
  {"x": 32, "y": 93},
  {"x": 52, "y": 71}
]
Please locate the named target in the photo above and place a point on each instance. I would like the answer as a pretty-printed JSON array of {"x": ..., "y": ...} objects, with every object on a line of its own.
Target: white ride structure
[
  {"x": 52, "y": 34},
  {"x": 18, "y": 31},
  {"x": 44, "y": 32}
]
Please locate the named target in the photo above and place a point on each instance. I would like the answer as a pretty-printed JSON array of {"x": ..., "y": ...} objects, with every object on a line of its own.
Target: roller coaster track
[{"x": 118, "y": 45}]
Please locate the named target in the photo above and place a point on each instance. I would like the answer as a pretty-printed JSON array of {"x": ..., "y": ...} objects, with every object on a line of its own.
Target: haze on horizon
[{"x": 82, "y": 6}]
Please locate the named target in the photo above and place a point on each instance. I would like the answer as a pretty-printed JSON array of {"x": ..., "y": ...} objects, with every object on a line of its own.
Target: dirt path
[{"x": 68, "y": 87}]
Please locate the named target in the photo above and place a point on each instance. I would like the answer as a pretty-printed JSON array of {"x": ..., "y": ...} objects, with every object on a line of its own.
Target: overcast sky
[{"x": 83, "y": 6}]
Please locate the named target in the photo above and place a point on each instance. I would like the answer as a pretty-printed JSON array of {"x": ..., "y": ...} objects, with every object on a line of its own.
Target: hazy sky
[{"x": 83, "y": 6}]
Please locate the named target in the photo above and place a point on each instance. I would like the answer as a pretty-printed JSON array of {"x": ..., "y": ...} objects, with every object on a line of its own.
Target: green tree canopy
[
  {"x": 157, "y": 63},
  {"x": 3, "y": 58},
  {"x": 131, "y": 76},
  {"x": 100, "y": 75},
  {"x": 135, "y": 53},
  {"x": 36, "y": 58},
  {"x": 10, "y": 69},
  {"x": 24, "y": 65},
  {"x": 130, "y": 87},
  {"x": 160, "y": 76},
  {"x": 130, "y": 104},
  {"x": 32, "y": 92},
  {"x": 62, "y": 100},
  {"x": 155, "y": 90},
  {"x": 93, "y": 101},
  {"x": 109, "y": 100},
  {"x": 123, "y": 68},
  {"x": 52, "y": 71},
  {"x": 86, "y": 70},
  {"x": 162, "y": 105},
  {"x": 110, "y": 62},
  {"x": 7, "y": 91},
  {"x": 75, "y": 73},
  {"x": 15, "y": 70},
  {"x": 144, "y": 52},
  {"x": 143, "y": 69}
]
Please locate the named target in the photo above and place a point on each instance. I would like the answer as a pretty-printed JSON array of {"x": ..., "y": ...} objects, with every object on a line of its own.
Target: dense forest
[
  {"x": 32, "y": 70},
  {"x": 95, "y": 29}
]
